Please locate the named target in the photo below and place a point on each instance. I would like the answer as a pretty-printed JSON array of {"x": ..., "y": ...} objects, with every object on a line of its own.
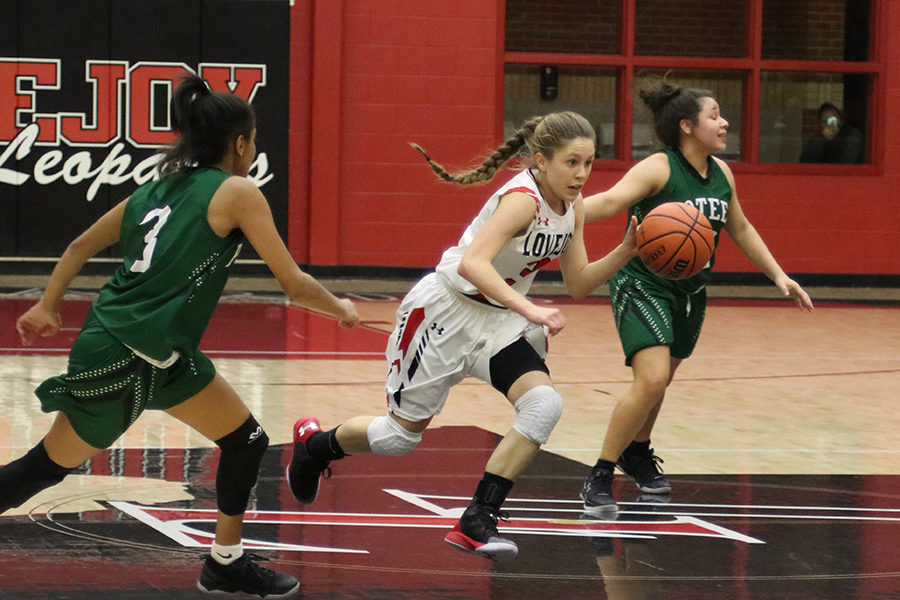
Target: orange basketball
[{"x": 675, "y": 240}]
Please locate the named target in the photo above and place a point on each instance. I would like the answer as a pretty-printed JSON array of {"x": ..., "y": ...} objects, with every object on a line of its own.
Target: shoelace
[
  {"x": 651, "y": 468},
  {"x": 501, "y": 515},
  {"x": 492, "y": 517},
  {"x": 495, "y": 516}
]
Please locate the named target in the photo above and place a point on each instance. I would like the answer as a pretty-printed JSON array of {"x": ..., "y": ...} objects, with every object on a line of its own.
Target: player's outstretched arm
[
  {"x": 239, "y": 204},
  {"x": 43, "y": 318},
  {"x": 642, "y": 180},
  {"x": 748, "y": 240}
]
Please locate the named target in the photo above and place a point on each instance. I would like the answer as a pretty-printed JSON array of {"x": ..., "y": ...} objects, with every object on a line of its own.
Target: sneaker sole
[
  {"x": 604, "y": 512},
  {"x": 657, "y": 490},
  {"x": 647, "y": 490},
  {"x": 653, "y": 499},
  {"x": 287, "y": 476},
  {"x": 498, "y": 551},
  {"x": 290, "y": 592}
]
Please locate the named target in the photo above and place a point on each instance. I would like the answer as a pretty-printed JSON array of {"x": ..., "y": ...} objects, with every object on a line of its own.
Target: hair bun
[{"x": 657, "y": 98}]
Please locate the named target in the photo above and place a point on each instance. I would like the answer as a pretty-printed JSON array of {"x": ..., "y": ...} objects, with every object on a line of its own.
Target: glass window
[
  {"x": 540, "y": 89},
  {"x": 666, "y": 28},
  {"x": 813, "y": 117},
  {"x": 793, "y": 53},
  {"x": 580, "y": 27},
  {"x": 816, "y": 30},
  {"x": 727, "y": 88}
]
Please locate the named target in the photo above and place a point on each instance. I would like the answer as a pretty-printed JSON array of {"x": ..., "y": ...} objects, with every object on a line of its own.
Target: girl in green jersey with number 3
[{"x": 138, "y": 348}]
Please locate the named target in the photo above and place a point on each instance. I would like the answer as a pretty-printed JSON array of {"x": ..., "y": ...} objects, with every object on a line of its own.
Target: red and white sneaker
[
  {"x": 303, "y": 472},
  {"x": 476, "y": 533}
]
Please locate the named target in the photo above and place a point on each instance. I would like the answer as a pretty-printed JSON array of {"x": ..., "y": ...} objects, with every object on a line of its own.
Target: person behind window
[{"x": 836, "y": 142}]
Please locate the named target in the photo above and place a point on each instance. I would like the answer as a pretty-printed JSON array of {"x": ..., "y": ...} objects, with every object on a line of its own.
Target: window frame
[{"x": 752, "y": 65}]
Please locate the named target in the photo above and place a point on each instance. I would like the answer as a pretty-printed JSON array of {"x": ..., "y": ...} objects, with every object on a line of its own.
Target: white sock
[{"x": 225, "y": 555}]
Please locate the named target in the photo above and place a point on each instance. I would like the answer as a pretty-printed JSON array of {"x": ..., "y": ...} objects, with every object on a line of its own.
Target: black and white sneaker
[
  {"x": 304, "y": 471},
  {"x": 244, "y": 575},
  {"x": 597, "y": 494},
  {"x": 644, "y": 469},
  {"x": 476, "y": 533}
]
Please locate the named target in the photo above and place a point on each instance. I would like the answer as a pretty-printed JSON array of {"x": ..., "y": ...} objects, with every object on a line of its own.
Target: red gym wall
[{"x": 369, "y": 77}]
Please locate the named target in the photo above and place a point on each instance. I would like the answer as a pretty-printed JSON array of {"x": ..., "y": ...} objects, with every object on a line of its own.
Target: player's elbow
[
  {"x": 298, "y": 286},
  {"x": 465, "y": 268},
  {"x": 82, "y": 248},
  {"x": 579, "y": 290},
  {"x": 579, "y": 294}
]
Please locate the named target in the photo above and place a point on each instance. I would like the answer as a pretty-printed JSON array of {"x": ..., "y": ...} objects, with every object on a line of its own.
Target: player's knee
[
  {"x": 386, "y": 436},
  {"x": 242, "y": 453},
  {"x": 538, "y": 411},
  {"x": 650, "y": 388}
]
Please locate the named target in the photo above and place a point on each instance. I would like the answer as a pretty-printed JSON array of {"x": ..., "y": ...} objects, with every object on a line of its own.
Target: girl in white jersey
[{"x": 471, "y": 317}]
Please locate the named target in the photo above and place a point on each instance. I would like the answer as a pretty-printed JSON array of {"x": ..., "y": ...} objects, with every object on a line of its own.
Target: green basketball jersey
[
  {"x": 174, "y": 266},
  {"x": 711, "y": 195}
]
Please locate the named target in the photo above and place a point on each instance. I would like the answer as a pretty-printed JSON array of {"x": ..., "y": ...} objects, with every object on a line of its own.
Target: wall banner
[{"x": 84, "y": 95}]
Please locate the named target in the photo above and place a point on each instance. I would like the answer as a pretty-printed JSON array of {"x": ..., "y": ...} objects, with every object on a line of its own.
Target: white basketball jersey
[{"x": 518, "y": 261}]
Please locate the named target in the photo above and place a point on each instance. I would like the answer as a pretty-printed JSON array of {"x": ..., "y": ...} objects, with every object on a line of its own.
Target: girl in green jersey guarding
[
  {"x": 659, "y": 320},
  {"x": 139, "y": 346}
]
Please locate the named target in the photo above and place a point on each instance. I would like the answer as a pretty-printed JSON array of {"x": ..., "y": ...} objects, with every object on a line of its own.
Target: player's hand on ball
[{"x": 629, "y": 242}]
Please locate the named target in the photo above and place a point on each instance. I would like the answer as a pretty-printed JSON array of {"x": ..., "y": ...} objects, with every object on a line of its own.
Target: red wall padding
[{"x": 431, "y": 72}]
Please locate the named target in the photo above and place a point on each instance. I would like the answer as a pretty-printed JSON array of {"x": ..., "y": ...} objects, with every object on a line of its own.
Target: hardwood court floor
[{"x": 779, "y": 435}]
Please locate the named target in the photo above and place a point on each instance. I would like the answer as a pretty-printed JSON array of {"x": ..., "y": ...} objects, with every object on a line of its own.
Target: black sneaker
[
  {"x": 303, "y": 472},
  {"x": 645, "y": 471},
  {"x": 476, "y": 532},
  {"x": 602, "y": 546},
  {"x": 244, "y": 575},
  {"x": 597, "y": 494}
]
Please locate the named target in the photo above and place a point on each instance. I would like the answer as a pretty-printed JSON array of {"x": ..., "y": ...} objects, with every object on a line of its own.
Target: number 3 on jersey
[{"x": 160, "y": 214}]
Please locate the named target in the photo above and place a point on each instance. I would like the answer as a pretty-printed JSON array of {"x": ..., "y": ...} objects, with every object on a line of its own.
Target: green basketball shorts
[
  {"x": 106, "y": 386},
  {"x": 649, "y": 314}
]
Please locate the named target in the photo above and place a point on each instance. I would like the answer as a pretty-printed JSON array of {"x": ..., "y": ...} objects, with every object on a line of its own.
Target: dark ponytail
[
  {"x": 205, "y": 123},
  {"x": 669, "y": 104}
]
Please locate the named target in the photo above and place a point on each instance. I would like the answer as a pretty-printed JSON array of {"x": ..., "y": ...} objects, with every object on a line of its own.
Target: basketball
[{"x": 675, "y": 240}]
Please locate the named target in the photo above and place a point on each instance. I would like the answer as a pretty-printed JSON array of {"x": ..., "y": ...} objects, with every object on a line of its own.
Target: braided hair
[{"x": 544, "y": 134}]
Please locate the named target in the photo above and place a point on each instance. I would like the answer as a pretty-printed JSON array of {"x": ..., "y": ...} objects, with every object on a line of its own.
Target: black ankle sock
[
  {"x": 492, "y": 490},
  {"x": 640, "y": 448},
  {"x": 605, "y": 465},
  {"x": 323, "y": 446},
  {"x": 23, "y": 478}
]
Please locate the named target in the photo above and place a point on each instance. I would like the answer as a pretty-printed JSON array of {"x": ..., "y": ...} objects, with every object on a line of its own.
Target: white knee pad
[
  {"x": 387, "y": 436},
  {"x": 538, "y": 410}
]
